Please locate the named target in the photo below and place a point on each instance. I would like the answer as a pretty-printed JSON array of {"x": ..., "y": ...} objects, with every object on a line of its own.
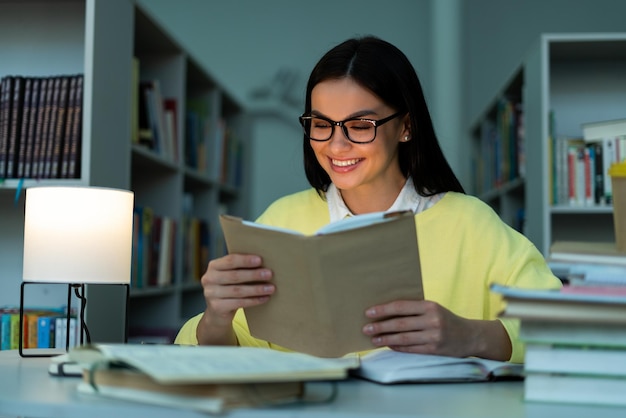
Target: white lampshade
[{"x": 78, "y": 235}]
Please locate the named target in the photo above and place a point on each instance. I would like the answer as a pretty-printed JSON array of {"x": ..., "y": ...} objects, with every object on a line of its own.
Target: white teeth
[{"x": 345, "y": 163}]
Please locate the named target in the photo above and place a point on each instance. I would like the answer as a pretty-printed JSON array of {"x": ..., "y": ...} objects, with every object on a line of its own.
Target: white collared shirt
[{"x": 408, "y": 199}]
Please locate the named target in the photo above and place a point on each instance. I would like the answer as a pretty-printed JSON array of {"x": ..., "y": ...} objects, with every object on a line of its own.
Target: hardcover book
[
  {"x": 558, "y": 306},
  {"x": 325, "y": 282},
  {"x": 207, "y": 378}
]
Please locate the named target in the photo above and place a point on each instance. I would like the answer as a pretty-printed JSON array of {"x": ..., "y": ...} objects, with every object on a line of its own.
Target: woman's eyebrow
[{"x": 358, "y": 114}]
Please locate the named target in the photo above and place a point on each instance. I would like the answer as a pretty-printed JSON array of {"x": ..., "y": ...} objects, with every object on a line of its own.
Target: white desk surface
[{"x": 27, "y": 390}]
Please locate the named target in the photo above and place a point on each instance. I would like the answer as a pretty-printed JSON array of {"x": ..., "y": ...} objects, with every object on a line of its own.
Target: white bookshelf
[
  {"x": 580, "y": 77},
  {"x": 99, "y": 39}
]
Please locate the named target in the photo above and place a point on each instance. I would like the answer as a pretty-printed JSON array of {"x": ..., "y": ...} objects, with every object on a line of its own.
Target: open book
[
  {"x": 205, "y": 378},
  {"x": 387, "y": 366},
  {"x": 325, "y": 282}
]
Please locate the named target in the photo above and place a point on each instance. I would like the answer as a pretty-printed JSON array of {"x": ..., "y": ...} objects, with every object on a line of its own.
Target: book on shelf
[
  {"x": 153, "y": 254},
  {"x": 29, "y": 104},
  {"x": 575, "y": 389},
  {"x": 555, "y": 305},
  {"x": 59, "y": 130},
  {"x": 586, "y": 252},
  {"x": 610, "y": 136},
  {"x": 6, "y": 96},
  {"x": 388, "y": 366},
  {"x": 15, "y": 126},
  {"x": 71, "y": 163},
  {"x": 598, "y": 130},
  {"x": 39, "y": 328},
  {"x": 309, "y": 312},
  {"x": 579, "y": 170},
  {"x": 152, "y": 108},
  {"x": 208, "y": 378}
]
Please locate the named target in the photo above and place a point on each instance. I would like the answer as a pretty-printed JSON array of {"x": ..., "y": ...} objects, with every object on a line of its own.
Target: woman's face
[{"x": 370, "y": 168}]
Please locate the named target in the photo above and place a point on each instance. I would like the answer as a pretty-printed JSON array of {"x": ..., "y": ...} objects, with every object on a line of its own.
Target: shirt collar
[{"x": 408, "y": 199}]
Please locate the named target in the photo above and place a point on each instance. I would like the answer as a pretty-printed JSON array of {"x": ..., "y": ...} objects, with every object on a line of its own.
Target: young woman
[{"x": 369, "y": 145}]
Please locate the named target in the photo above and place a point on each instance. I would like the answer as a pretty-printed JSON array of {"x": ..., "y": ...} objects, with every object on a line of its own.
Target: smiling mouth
[{"x": 346, "y": 163}]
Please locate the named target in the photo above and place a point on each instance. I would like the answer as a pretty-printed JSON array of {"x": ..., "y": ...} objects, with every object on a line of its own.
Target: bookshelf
[
  {"x": 579, "y": 77},
  {"x": 117, "y": 44}
]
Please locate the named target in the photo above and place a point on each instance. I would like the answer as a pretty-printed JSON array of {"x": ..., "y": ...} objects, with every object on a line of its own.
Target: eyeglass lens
[{"x": 356, "y": 130}]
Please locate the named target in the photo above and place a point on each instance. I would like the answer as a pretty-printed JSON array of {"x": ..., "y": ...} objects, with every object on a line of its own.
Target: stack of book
[
  {"x": 588, "y": 263},
  {"x": 575, "y": 342}
]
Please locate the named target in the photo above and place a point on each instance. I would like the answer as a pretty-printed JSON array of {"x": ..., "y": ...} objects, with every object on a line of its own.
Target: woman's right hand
[{"x": 231, "y": 282}]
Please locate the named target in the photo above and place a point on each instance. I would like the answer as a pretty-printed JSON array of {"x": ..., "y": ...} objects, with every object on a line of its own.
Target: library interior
[{"x": 191, "y": 109}]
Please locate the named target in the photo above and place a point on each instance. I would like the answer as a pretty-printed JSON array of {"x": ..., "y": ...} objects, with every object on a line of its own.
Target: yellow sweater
[{"x": 464, "y": 248}]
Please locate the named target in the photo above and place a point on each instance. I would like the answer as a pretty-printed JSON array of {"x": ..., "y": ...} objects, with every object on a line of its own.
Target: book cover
[
  {"x": 60, "y": 127},
  {"x": 73, "y": 157},
  {"x": 15, "y": 126},
  {"x": 43, "y": 331},
  {"x": 38, "y": 127},
  {"x": 174, "y": 364},
  {"x": 127, "y": 384},
  {"x": 52, "y": 127},
  {"x": 580, "y": 360},
  {"x": 575, "y": 389},
  {"x": 388, "y": 366},
  {"x": 374, "y": 260},
  {"x": 69, "y": 123},
  {"x": 555, "y": 305},
  {"x": 587, "y": 252},
  {"x": 598, "y": 130},
  {"x": 6, "y": 95},
  {"x": 43, "y": 130},
  {"x": 541, "y": 331},
  {"x": 25, "y": 121}
]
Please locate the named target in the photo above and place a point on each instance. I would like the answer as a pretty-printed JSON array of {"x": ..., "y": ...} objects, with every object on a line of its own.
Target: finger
[
  {"x": 399, "y": 308},
  {"x": 236, "y": 261},
  {"x": 231, "y": 305},
  {"x": 233, "y": 277},
  {"x": 394, "y": 325},
  {"x": 428, "y": 340},
  {"x": 239, "y": 291}
]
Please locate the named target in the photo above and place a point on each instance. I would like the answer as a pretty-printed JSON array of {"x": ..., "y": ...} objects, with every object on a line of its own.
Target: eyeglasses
[{"x": 357, "y": 130}]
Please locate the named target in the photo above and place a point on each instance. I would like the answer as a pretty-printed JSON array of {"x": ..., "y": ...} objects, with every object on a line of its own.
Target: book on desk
[
  {"x": 205, "y": 378},
  {"x": 213, "y": 379}
]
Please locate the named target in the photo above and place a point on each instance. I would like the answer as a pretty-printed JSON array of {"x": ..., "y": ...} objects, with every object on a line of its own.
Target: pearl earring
[{"x": 406, "y": 138}]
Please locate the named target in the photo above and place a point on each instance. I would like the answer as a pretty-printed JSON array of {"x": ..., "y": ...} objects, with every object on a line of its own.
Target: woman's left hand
[{"x": 428, "y": 328}]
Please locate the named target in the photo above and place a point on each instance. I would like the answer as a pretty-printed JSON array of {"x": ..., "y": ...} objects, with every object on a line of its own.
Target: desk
[{"x": 26, "y": 389}]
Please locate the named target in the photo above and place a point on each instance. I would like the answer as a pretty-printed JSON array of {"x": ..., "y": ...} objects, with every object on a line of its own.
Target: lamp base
[{"x": 79, "y": 289}]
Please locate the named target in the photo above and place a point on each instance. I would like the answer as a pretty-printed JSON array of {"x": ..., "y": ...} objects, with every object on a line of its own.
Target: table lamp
[{"x": 77, "y": 236}]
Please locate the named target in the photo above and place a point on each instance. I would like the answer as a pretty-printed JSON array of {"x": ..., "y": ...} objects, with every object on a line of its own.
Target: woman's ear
[{"x": 406, "y": 132}]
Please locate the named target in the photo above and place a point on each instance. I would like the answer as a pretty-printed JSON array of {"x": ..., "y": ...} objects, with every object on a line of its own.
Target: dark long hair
[{"x": 384, "y": 70}]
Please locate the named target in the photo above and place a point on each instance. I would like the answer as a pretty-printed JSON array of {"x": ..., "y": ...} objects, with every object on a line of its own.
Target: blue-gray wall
[{"x": 463, "y": 50}]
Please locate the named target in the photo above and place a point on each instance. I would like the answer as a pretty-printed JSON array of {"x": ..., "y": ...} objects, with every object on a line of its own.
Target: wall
[
  {"x": 244, "y": 43},
  {"x": 498, "y": 33},
  {"x": 463, "y": 50}
]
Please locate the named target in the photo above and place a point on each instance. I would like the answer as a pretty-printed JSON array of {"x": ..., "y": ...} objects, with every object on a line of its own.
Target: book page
[
  {"x": 206, "y": 364},
  {"x": 388, "y": 366},
  {"x": 359, "y": 221}
]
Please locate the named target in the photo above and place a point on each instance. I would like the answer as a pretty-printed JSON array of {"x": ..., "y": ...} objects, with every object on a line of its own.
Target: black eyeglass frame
[{"x": 341, "y": 124}]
